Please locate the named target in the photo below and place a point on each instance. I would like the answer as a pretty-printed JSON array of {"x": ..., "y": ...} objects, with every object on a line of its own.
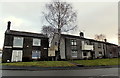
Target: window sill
[
  {"x": 74, "y": 56},
  {"x": 17, "y": 47},
  {"x": 35, "y": 57},
  {"x": 35, "y": 46}
]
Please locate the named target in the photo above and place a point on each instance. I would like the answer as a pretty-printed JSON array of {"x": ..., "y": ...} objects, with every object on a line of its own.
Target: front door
[
  {"x": 16, "y": 55},
  {"x": 92, "y": 54}
]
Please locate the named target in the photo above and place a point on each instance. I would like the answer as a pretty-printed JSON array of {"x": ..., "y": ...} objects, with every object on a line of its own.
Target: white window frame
[
  {"x": 37, "y": 51},
  {"x": 100, "y": 53},
  {"x": 39, "y": 40},
  {"x": 14, "y": 42},
  {"x": 73, "y": 52},
  {"x": 73, "y": 42},
  {"x": 16, "y": 55}
]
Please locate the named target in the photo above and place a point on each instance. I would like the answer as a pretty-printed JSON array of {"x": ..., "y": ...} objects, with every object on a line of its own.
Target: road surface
[{"x": 82, "y": 72}]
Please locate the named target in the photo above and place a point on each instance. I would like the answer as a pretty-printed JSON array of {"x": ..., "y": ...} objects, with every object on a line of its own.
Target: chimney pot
[
  {"x": 105, "y": 40},
  {"x": 81, "y": 34},
  {"x": 9, "y": 24}
]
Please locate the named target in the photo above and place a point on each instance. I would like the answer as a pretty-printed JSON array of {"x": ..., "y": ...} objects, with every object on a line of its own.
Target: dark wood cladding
[{"x": 27, "y": 45}]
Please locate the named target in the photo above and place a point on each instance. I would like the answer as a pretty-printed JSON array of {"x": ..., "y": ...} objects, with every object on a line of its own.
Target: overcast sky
[{"x": 95, "y": 17}]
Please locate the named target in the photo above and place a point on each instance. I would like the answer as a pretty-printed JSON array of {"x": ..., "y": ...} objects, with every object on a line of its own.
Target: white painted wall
[
  {"x": 62, "y": 48},
  {"x": 86, "y": 47},
  {"x": 51, "y": 51}
]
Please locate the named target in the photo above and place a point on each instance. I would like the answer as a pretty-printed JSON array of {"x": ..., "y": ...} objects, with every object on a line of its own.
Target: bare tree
[
  {"x": 100, "y": 37},
  {"x": 49, "y": 31},
  {"x": 61, "y": 16}
]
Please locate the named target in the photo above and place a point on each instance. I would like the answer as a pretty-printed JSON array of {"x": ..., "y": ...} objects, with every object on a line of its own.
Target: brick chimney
[
  {"x": 81, "y": 34},
  {"x": 8, "y": 26},
  {"x": 105, "y": 40}
]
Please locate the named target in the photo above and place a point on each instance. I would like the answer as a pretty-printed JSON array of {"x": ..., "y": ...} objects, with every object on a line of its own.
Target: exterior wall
[
  {"x": 108, "y": 51},
  {"x": 112, "y": 51},
  {"x": 7, "y": 52},
  {"x": 62, "y": 48},
  {"x": 119, "y": 38},
  {"x": 27, "y": 51},
  {"x": 79, "y": 48},
  {"x": 105, "y": 50},
  {"x": 27, "y": 48},
  {"x": 100, "y": 47},
  {"x": 68, "y": 49},
  {"x": 0, "y": 54},
  {"x": 118, "y": 51},
  {"x": 115, "y": 51},
  {"x": 95, "y": 49},
  {"x": 86, "y": 48}
]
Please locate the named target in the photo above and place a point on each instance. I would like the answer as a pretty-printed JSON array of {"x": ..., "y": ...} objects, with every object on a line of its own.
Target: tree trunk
[{"x": 59, "y": 37}]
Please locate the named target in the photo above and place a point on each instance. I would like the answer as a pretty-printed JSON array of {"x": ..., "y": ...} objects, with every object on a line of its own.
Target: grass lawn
[
  {"x": 97, "y": 62},
  {"x": 42, "y": 64}
]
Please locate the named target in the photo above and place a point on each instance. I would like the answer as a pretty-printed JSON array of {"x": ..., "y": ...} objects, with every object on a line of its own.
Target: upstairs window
[
  {"x": 36, "y": 42},
  {"x": 18, "y": 42},
  {"x": 99, "y": 45},
  {"x": 73, "y": 48},
  {"x": 73, "y": 42}
]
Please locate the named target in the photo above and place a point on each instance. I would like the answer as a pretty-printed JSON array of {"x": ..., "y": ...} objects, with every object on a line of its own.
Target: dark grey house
[
  {"x": 78, "y": 47},
  {"x": 24, "y": 46},
  {"x": 0, "y": 53}
]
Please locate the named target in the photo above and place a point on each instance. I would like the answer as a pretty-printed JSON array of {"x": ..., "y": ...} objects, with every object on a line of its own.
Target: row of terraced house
[{"x": 27, "y": 46}]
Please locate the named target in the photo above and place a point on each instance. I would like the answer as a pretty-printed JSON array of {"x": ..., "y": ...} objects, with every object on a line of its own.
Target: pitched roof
[
  {"x": 78, "y": 37},
  {"x": 27, "y": 34}
]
